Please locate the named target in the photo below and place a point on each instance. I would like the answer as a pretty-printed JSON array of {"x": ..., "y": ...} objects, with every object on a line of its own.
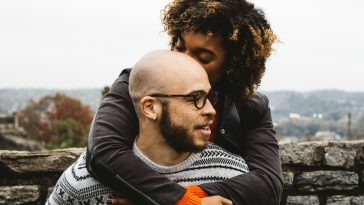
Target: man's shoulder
[{"x": 76, "y": 185}]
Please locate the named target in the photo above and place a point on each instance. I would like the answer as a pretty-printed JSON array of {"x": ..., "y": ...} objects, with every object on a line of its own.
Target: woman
[{"x": 232, "y": 40}]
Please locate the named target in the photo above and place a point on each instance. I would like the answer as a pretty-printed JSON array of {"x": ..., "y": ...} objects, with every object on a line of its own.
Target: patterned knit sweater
[{"x": 76, "y": 185}]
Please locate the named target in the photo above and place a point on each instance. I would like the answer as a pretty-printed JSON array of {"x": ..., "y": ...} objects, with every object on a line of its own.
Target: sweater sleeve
[
  {"x": 197, "y": 191},
  {"x": 109, "y": 155},
  {"x": 189, "y": 199},
  {"x": 263, "y": 183},
  {"x": 192, "y": 196}
]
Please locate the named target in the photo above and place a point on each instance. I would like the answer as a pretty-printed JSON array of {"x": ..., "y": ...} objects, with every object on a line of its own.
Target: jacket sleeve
[
  {"x": 263, "y": 183},
  {"x": 109, "y": 155}
]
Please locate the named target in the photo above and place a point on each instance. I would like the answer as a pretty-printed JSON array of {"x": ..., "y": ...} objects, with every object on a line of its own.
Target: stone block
[
  {"x": 19, "y": 194},
  {"x": 44, "y": 179},
  {"x": 327, "y": 180},
  {"x": 345, "y": 200},
  {"x": 340, "y": 157},
  {"x": 357, "y": 200},
  {"x": 305, "y": 153},
  {"x": 359, "y": 160},
  {"x": 303, "y": 200},
  {"x": 287, "y": 179},
  {"x": 34, "y": 162}
]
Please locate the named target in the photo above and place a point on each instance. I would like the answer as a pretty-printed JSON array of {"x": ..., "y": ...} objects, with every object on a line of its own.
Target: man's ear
[{"x": 150, "y": 107}]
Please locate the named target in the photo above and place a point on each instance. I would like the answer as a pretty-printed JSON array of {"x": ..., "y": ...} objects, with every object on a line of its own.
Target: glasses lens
[
  {"x": 201, "y": 98},
  {"x": 213, "y": 97}
]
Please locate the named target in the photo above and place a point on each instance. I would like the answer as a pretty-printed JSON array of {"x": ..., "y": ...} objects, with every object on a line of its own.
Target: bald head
[{"x": 164, "y": 72}]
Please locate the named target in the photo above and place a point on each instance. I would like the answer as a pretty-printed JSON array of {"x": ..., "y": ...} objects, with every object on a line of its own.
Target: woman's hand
[
  {"x": 215, "y": 200},
  {"x": 119, "y": 201}
]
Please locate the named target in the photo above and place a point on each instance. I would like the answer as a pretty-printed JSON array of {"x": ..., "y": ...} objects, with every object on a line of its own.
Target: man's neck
[{"x": 157, "y": 150}]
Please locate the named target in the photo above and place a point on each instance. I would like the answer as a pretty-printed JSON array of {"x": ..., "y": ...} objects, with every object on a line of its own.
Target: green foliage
[{"x": 105, "y": 90}]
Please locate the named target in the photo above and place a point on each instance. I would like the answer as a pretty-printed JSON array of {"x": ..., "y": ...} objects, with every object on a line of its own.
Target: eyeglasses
[{"x": 199, "y": 98}]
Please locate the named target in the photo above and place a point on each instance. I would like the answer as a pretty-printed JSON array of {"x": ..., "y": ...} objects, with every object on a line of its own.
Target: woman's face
[{"x": 208, "y": 51}]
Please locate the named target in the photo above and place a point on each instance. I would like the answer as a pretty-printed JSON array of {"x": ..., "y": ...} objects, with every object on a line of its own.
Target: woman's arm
[
  {"x": 263, "y": 184},
  {"x": 110, "y": 159},
  {"x": 109, "y": 155}
]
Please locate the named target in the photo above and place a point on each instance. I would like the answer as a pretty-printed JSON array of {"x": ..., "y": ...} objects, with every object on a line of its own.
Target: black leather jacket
[{"x": 245, "y": 128}]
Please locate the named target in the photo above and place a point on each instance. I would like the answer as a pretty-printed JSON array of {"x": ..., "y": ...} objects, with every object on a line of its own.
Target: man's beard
[{"x": 177, "y": 136}]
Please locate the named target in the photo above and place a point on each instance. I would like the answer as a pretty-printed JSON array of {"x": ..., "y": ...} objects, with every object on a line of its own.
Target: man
[{"x": 173, "y": 102}]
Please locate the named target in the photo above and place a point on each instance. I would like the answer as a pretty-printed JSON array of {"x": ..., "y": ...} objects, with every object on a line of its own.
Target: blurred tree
[
  {"x": 58, "y": 121},
  {"x": 358, "y": 129},
  {"x": 336, "y": 116},
  {"x": 105, "y": 90}
]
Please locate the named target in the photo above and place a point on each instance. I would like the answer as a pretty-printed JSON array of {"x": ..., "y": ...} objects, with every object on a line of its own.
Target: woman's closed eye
[
  {"x": 204, "y": 60},
  {"x": 205, "y": 57}
]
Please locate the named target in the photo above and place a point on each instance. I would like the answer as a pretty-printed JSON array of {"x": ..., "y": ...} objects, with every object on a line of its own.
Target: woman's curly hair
[{"x": 247, "y": 35}]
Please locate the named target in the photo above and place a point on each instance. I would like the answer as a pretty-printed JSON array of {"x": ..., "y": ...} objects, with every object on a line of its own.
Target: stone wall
[
  {"x": 322, "y": 173},
  {"x": 330, "y": 173},
  {"x": 26, "y": 177},
  {"x": 14, "y": 140}
]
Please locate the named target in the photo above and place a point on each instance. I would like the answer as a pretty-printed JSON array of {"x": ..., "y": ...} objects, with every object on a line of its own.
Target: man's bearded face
[{"x": 177, "y": 136}]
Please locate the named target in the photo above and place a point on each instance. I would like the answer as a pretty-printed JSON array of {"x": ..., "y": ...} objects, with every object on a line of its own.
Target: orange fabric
[
  {"x": 189, "y": 199},
  {"x": 197, "y": 191},
  {"x": 192, "y": 196}
]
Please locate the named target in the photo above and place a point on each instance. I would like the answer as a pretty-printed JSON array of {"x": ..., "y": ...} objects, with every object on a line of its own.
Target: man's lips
[
  {"x": 204, "y": 130},
  {"x": 204, "y": 127}
]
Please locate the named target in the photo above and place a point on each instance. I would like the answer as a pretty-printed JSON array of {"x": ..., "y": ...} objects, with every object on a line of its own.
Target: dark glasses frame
[{"x": 196, "y": 96}]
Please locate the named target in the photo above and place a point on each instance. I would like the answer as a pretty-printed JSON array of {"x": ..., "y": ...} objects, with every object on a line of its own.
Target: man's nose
[{"x": 208, "y": 109}]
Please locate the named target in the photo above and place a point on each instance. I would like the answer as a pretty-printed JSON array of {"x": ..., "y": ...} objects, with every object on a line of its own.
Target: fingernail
[{"x": 108, "y": 202}]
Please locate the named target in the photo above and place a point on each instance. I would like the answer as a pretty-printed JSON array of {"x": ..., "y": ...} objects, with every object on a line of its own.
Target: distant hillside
[
  {"x": 334, "y": 104},
  {"x": 15, "y": 99}
]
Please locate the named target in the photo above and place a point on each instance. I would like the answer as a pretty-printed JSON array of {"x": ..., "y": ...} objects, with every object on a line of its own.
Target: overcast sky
[{"x": 86, "y": 43}]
